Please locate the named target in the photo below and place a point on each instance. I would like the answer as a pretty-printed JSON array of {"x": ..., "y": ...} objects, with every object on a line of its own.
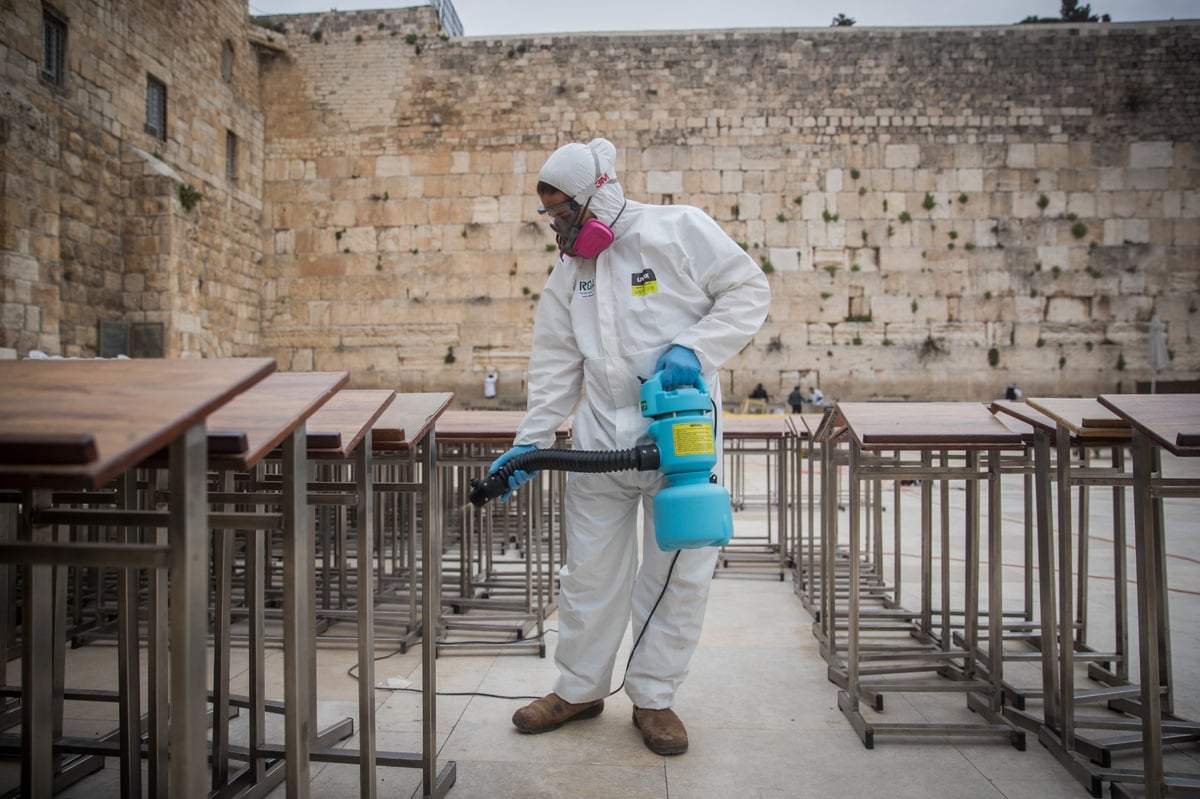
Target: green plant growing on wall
[
  {"x": 891, "y": 231},
  {"x": 829, "y": 216},
  {"x": 1079, "y": 230},
  {"x": 1043, "y": 201},
  {"x": 767, "y": 266},
  {"x": 862, "y": 191},
  {"x": 858, "y": 317},
  {"x": 798, "y": 200},
  {"x": 1041, "y": 342},
  {"x": 526, "y": 290},
  {"x": 779, "y": 217},
  {"x": 905, "y": 216},
  {"x": 854, "y": 173},
  {"x": 1093, "y": 271},
  {"x": 864, "y": 237},
  {"x": 1121, "y": 362},
  {"x": 1056, "y": 271},
  {"x": 550, "y": 248},
  {"x": 857, "y": 341},
  {"x": 826, "y": 295},
  {"x": 358, "y": 39},
  {"x": 449, "y": 355},
  {"x": 189, "y": 195},
  {"x": 316, "y": 35},
  {"x": 993, "y": 357},
  {"x": 855, "y": 267},
  {"x": 832, "y": 270},
  {"x": 929, "y": 202},
  {"x": 885, "y": 205},
  {"x": 887, "y": 342},
  {"x": 987, "y": 295},
  {"x": 970, "y": 245},
  {"x": 962, "y": 198},
  {"x": 1062, "y": 362}
]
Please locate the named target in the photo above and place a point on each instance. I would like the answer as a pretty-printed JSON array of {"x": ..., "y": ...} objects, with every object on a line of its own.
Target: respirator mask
[{"x": 585, "y": 240}]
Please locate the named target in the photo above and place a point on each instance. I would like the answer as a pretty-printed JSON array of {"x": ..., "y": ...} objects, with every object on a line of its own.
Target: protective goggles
[{"x": 557, "y": 210}]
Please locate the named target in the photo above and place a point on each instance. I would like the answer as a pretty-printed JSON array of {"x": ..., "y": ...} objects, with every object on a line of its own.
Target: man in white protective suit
[{"x": 638, "y": 289}]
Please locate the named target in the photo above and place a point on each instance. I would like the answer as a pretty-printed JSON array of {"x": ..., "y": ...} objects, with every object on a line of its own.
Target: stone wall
[
  {"x": 941, "y": 212},
  {"x": 94, "y": 227}
]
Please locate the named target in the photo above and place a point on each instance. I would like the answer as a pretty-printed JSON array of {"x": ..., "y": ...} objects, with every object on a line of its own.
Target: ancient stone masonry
[
  {"x": 940, "y": 211},
  {"x": 96, "y": 232}
]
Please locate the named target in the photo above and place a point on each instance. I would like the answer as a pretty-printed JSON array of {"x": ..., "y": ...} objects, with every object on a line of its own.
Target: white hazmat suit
[{"x": 670, "y": 277}]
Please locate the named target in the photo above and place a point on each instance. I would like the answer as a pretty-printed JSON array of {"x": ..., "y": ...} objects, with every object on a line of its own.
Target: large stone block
[
  {"x": 1151, "y": 154},
  {"x": 902, "y": 156}
]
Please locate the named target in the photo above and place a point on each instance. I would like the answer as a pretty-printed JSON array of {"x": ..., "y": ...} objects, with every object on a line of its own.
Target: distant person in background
[
  {"x": 818, "y": 398},
  {"x": 796, "y": 400},
  {"x": 1013, "y": 392},
  {"x": 759, "y": 393},
  {"x": 489, "y": 384}
]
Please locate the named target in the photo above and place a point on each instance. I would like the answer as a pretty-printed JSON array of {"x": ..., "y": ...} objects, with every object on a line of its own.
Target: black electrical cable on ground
[{"x": 666, "y": 582}]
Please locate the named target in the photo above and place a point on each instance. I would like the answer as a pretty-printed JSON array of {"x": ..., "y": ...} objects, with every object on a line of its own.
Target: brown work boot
[
  {"x": 552, "y": 711},
  {"x": 662, "y": 730}
]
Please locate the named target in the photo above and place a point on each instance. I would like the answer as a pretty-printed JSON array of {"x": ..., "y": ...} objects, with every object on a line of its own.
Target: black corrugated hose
[{"x": 643, "y": 458}]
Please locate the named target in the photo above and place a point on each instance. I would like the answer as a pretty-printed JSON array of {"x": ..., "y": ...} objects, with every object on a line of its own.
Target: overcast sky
[{"x": 504, "y": 17}]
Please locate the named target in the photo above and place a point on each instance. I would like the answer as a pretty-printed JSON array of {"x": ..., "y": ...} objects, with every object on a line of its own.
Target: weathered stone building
[{"x": 941, "y": 211}]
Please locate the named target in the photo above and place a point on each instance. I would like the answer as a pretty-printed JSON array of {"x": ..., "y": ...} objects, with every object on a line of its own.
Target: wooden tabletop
[
  {"x": 337, "y": 427},
  {"x": 926, "y": 425},
  {"x": 80, "y": 423},
  {"x": 485, "y": 426},
  {"x": 758, "y": 426},
  {"x": 408, "y": 420},
  {"x": 1023, "y": 418},
  {"x": 268, "y": 412},
  {"x": 1171, "y": 420},
  {"x": 1084, "y": 417}
]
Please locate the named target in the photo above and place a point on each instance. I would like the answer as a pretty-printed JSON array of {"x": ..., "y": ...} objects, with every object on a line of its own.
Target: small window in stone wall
[
  {"x": 136, "y": 339},
  {"x": 227, "y": 61},
  {"x": 231, "y": 150},
  {"x": 54, "y": 47},
  {"x": 156, "y": 108}
]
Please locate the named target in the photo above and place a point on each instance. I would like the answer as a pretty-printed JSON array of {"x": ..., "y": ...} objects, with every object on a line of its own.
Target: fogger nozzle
[{"x": 643, "y": 458}]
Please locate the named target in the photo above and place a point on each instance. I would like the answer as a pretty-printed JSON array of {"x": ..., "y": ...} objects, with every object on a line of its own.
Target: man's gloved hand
[
  {"x": 519, "y": 476},
  {"x": 680, "y": 367}
]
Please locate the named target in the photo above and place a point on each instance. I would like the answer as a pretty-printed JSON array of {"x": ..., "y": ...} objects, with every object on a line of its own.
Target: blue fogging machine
[{"x": 693, "y": 510}]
